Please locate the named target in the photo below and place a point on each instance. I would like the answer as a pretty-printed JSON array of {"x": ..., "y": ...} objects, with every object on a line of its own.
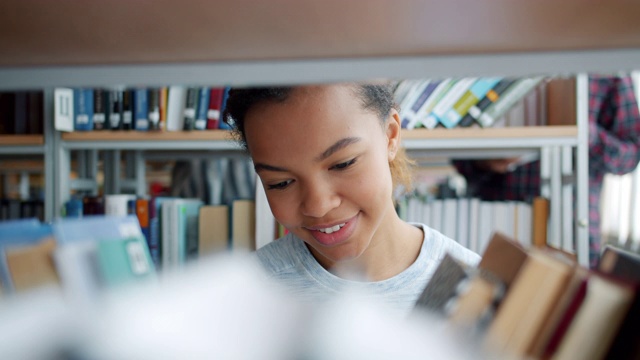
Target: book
[
  {"x": 215, "y": 107},
  {"x": 469, "y": 98},
  {"x": 222, "y": 124},
  {"x": 31, "y": 266},
  {"x": 127, "y": 109},
  {"x": 176, "y": 102},
  {"x": 191, "y": 103},
  {"x": 164, "y": 100},
  {"x": 124, "y": 260},
  {"x": 243, "y": 225},
  {"x": 540, "y": 210},
  {"x": 442, "y": 286},
  {"x": 446, "y": 103},
  {"x": 188, "y": 228},
  {"x": 213, "y": 229},
  {"x": 153, "y": 111},
  {"x": 476, "y": 301},
  {"x": 94, "y": 228},
  {"x": 141, "y": 109},
  {"x": 35, "y": 112},
  {"x": 202, "y": 108},
  {"x": 142, "y": 208},
  {"x": 413, "y": 100},
  {"x": 63, "y": 108},
  {"x": 596, "y": 322},
  {"x": 99, "y": 109},
  {"x": 561, "y": 101},
  {"x": 509, "y": 97},
  {"x": 492, "y": 96},
  {"x": 114, "y": 108},
  {"x": 83, "y": 109},
  {"x": 530, "y": 299},
  {"x": 426, "y": 118},
  {"x": 117, "y": 204}
]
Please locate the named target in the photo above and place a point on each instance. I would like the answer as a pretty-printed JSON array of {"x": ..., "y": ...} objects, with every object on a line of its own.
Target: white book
[
  {"x": 567, "y": 200},
  {"x": 265, "y": 222},
  {"x": 63, "y": 109},
  {"x": 450, "y": 99},
  {"x": 425, "y": 114},
  {"x": 169, "y": 218},
  {"x": 474, "y": 224},
  {"x": 410, "y": 98},
  {"x": 450, "y": 217},
  {"x": 176, "y": 104},
  {"x": 485, "y": 225},
  {"x": 462, "y": 232},
  {"x": 523, "y": 224},
  {"x": 435, "y": 215},
  {"x": 116, "y": 204}
]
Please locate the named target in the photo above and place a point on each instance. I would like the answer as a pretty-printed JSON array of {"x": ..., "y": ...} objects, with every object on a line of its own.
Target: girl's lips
[{"x": 336, "y": 237}]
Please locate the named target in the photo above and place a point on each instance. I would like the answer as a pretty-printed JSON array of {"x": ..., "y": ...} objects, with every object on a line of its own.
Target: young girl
[{"x": 329, "y": 157}]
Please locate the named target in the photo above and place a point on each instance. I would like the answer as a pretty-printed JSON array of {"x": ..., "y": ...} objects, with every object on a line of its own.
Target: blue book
[
  {"x": 73, "y": 208},
  {"x": 155, "y": 228},
  {"x": 222, "y": 123},
  {"x": 141, "y": 110},
  {"x": 203, "y": 107},
  {"x": 83, "y": 109},
  {"x": 95, "y": 228}
]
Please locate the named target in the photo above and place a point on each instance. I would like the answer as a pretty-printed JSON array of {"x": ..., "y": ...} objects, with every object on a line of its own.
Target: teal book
[
  {"x": 124, "y": 260},
  {"x": 188, "y": 229}
]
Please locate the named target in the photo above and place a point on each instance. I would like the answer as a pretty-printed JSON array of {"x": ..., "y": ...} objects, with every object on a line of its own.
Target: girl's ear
[{"x": 393, "y": 133}]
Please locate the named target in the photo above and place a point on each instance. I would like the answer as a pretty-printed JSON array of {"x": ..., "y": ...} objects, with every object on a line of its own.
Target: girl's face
[{"x": 324, "y": 164}]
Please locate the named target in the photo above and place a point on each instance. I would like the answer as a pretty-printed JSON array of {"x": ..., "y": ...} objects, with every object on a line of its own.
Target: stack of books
[{"x": 539, "y": 303}]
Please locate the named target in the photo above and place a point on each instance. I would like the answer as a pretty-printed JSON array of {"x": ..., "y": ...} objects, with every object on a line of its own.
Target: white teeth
[{"x": 331, "y": 229}]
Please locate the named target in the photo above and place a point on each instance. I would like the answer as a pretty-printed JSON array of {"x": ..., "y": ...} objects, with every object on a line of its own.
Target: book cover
[
  {"x": 442, "y": 286},
  {"x": 531, "y": 297},
  {"x": 141, "y": 109},
  {"x": 492, "y": 96},
  {"x": 419, "y": 106},
  {"x": 191, "y": 104},
  {"x": 413, "y": 95},
  {"x": 124, "y": 260},
  {"x": 215, "y": 107},
  {"x": 427, "y": 118},
  {"x": 99, "y": 109},
  {"x": 95, "y": 227},
  {"x": 222, "y": 124},
  {"x": 243, "y": 225},
  {"x": 202, "y": 108},
  {"x": 188, "y": 229},
  {"x": 63, "y": 109},
  {"x": 153, "y": 100},
  {"x": 83, "y": 109},
  {"x": 117, "y": 204},
  {"x": 155, "y": 228},
  {"x": 31, "y": 266},
  {"x": 164, "y": 100},
  {"x": 73, "y": 207},
  {"x": 507, "y": 100},
  {"x": 213, "y": 229}
]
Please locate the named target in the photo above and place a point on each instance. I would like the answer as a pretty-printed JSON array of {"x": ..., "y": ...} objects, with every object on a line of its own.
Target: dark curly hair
[{"x": 377, "y": 98}]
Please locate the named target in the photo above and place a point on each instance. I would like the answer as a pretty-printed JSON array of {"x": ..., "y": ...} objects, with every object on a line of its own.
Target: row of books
[
  {"x": 538, "y": 303},
  {"x": 172, "y": 108},
  {"x": 82, "y": 256},
  {"x": 13, "y": 209},
  {"x": 177, "y": 230},
  {"x": 21, "y": 112},
  {"x": 471, "y": 221},
  {"x": 485, "y": 102}
]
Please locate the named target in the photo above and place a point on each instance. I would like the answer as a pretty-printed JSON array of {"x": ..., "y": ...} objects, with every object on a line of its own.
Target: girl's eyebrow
[{"x": 338, "y": 145}]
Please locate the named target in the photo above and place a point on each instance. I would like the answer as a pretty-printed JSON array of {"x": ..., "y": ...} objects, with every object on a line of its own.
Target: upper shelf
[
  {"x": 74, "y": 42},
  {"x": 21, "y": 144}
]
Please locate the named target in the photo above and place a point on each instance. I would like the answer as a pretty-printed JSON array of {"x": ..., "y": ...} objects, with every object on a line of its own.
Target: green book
[{"x": 124, "y": 260}]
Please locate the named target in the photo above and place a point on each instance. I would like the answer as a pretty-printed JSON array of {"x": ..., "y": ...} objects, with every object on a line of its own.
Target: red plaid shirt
[{"x": 614, "y": 147}]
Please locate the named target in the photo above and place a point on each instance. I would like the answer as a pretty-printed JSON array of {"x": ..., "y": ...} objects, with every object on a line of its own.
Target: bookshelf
[{"x": 45, "y": 45}]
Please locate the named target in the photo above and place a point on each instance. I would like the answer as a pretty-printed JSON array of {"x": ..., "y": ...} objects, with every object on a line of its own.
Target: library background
[{"x": 129, "y": 215}]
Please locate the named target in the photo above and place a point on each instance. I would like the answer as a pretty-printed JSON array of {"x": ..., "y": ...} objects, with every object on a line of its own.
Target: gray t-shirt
[{"x": 289, "y": 260}]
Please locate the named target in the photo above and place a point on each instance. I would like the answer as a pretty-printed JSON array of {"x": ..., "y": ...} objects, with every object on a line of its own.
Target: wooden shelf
[
  {"x": 21, "y": 140},
  {"x": 64, "y": 32},
  {"x": 133, "y": 136}
]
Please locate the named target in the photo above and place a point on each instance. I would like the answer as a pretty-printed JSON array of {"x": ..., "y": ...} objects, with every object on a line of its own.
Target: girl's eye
[
  {"x": 279, "y": 186},
  {"x": 343, "y": 165}
]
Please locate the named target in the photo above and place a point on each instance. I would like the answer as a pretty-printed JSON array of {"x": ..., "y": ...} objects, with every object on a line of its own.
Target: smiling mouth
[{"x": 332, "y": 229}]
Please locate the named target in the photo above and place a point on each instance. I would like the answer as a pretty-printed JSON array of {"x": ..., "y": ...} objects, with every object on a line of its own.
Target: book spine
[
  {"x": 477, "y": 91},
  {"x": 153, "y": 99},
  {"x": 127, "y": 109},
  {"x": 176, "y": 102},
  {"x": 215, "y": 105},
  {"x": 492, "y": 95},
  {"x": 223, "y": 124},
  {"x": 154, "y": 231},
  {"x": 203, "y": 106},
  {"x": 453, "y": 95},
  {"x": 99, "y": 113},
  {"x": 83, "y": 109},
  {"x": 141, "y": 110},
  {"x": 428, "y": 118},
  {"x": 164, "y": 101},
  {"x": 115, "y": 109},
  {"x": 63, "y": 109},
  {"x": 507, "y": 100},
  {"x": 414, "y": 115},
  {"x": 190, "y": 109}
]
